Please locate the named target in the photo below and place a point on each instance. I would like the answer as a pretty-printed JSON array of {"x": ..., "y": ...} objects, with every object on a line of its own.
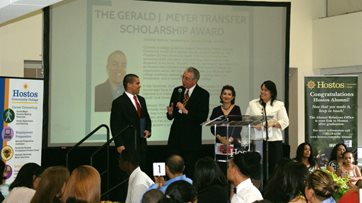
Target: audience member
[
  {"x": 241, "y": 168},
  {"x": 305, "y": 156},
  {"x": 348, "y": 169},
  {"x": 22, "y": 189},
  {"x": 83, "y": 185},
  {"x": 262, "y": 201},
  {"x": 175, "y": 167},
  {"x": 180, "y": 192},
  {"x": 336, "y": 157},
  {"x": 320, "y": 187},
  {"x": 210, "y": 182},
  {"x": 51, "y": 185},
  {"x": 152, "y": 196},
  {"x": 2, "y": 169},
  {"x": 138, "y": 180},
  {"x": 287, "y": 183},
  {"x": 352, "y": 195},
  {"x": 74, "y": 200}
]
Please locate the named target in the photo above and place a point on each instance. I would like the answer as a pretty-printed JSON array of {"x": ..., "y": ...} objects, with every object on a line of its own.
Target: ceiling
[
  {"x": 338, "y": 7},
  {"x": 11, "y": 9}
]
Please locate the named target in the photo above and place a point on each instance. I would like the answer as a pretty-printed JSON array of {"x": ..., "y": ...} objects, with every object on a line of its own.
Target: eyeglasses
[{"x": 186, "y": 78}]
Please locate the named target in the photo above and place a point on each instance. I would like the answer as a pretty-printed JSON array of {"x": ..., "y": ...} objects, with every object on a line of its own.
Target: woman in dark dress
[{"x": 227, "y": 110}]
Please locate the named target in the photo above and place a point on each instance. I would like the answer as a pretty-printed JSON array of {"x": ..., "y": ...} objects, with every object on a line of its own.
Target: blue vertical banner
[
  {"x": 21, "y": 108},
  {"x": 330, "y": 113},
  {"x": 2, "y": 96}
]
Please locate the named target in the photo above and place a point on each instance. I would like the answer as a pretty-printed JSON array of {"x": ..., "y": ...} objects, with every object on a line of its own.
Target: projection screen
[{"x": 236, "y": 43}]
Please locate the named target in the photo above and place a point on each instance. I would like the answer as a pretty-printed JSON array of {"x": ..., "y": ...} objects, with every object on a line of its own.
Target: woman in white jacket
[{"x": 277, "y": 121}]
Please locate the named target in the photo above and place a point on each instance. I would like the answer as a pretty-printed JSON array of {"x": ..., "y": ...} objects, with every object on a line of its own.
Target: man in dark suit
[
  {"x": 130, "y": 109},
  {"x": 112, "y": 87},
  {"x": 189, "y": 107}
]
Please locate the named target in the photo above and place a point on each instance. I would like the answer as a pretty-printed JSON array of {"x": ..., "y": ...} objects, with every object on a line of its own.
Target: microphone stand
[{"x": 266, "y": 144}]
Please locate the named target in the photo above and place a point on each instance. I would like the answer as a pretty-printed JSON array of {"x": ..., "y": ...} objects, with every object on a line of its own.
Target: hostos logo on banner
[
  {"x": 24, "y": 92},
  {"x": 311, "y": 84},
  {"x": 324, "y": 85}
]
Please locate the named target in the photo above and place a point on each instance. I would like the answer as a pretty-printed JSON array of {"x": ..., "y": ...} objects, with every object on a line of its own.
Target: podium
[{"x": 230, "y": 141}]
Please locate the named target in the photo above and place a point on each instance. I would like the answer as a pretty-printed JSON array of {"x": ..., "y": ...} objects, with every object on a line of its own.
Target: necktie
[
  {"x": 186, "y": 97},
  {"x": 138, "y": 107}
]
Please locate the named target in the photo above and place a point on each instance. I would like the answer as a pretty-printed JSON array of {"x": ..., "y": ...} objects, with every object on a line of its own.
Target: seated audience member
[
  {"x": 83, "y": 185},
  {"x": 180, "y": 191},
  {"x": 262, "y": 201},
  {"x": 175, "y": 167},
  {"x": 2, "y": 168},
  {"x": 138, "y": 180},
  {"x": 351, "y": 196},
  {"x": 336, "y": 157},
  {"x": 210, "y": 182},
  {"x": 152, "y": 196},
  {"x": 348, "y": 169},
  {"x": 51, "y": 185},
  {"x": 22, "y": 189},
  {"x": 305, "y": 156},
  {"x": 287, "y": 183},
  {"x": 320, "y": 187},
  {"x": 241, "y": 168},
  {"x": 73, "y": 200}
]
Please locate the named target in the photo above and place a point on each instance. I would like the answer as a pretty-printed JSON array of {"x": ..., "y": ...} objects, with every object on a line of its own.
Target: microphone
[{"x": 179, "y": 90}]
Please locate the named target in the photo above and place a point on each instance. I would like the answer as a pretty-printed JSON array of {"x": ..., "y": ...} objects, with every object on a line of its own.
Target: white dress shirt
[
  {"x": 278, "y": 114},
  {"x": 137, "y": 185},
  {"x": 246, "y": 192},
  {"x": 130, "y": 96},
  {"x": 20, "y": 195}
]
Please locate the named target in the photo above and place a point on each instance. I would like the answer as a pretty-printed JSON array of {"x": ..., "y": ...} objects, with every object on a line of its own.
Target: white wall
[
  {"x": 301, "y": 58},
  {"x": 337, "y": 41},
  {"x": 20, "y": 40}
]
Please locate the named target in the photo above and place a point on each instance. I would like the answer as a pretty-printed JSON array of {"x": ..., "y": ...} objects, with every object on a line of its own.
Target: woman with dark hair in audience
[
  {"x": 305, "y": 156},
  {"x": 287, "y": 185},
  {"x": 320, "y": 187},
  {"x": 210, "y": 182},
  {"x": 2, "y": 168},
  {"x": 22, "y": 189},
  {"x": 336, "y": 158},
  {"x": 51, "y": 185},
  {"x": 180, "y": 192},
  {"x": 83, "y": 185}
]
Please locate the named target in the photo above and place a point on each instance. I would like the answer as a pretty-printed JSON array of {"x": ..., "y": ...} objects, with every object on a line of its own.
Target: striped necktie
[{"x": 186, "y": 97}]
